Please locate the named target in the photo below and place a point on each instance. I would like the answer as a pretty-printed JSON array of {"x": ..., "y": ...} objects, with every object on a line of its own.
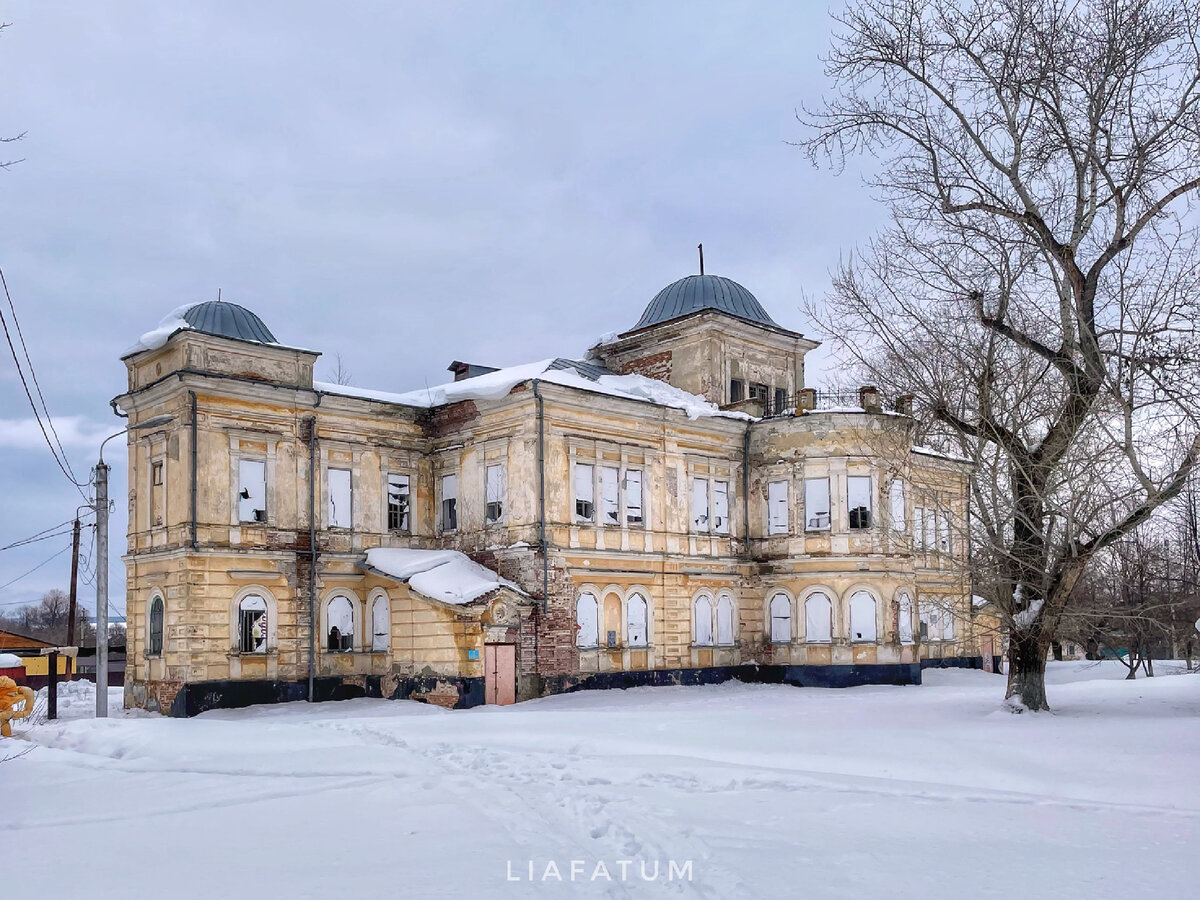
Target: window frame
[
  {"x": 737, "y": 390},
  {"x": 610, "y": 477},
  {"x": 375, "y": 600},
  {"x": 447, "y": 514},
  {"x": 726, "y": 599},
  {"x": 629, "y": 623},
  {"x": 856, "y": 481},
  {"x": 156, "y": 602},
  {"x": 708, "y": 616},
  {"x": 405, "y": 523},
  {"x": 262, "y": 621},
  {"x": 896, "y": 503},
  {"x": 328, "y": 630},
  {"x": 772, "y": 618},
  {"x": 641, "y": 504},
  {"x": 777, "y": 504},
  {"x": 808, "y": 516},
  {"x": 827, "y": 621},
  {"x": 595, "y": 617},
  {"x": 584, "y": 510},
  {"x": 873, "y": 619},
  {"x": 498, "y": 499},
  {"x": 331, "y": 505}
]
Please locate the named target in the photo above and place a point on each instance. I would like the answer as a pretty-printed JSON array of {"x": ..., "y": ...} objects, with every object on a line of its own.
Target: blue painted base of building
[
  {"x": 202, "y": 696},
  {"x": 959, "y": 662}
]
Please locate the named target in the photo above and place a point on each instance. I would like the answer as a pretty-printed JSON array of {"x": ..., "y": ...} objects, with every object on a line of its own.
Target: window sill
[
  {"x": 350, "y": 652},
  {"x": 273, "y": 651}
]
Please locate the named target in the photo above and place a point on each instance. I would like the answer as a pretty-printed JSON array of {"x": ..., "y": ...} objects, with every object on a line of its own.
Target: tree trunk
[{"x": 1027, "y": 671}]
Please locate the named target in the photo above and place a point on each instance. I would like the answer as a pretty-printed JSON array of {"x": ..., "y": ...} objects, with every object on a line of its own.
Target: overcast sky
[{"x": 404, "y": 184}]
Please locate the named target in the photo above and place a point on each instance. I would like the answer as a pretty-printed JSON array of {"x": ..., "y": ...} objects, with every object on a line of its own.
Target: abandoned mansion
[{"x": 676, "y": 508}]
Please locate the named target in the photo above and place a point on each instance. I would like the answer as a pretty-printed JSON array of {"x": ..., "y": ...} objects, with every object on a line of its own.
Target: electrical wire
[
  {"x": 30, "y": 572},
  {"x": 62, "y": 461},
  {"x": 37, "y": 536}
]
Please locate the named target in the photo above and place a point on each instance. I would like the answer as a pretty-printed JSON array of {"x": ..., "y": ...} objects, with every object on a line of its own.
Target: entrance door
[{"x": 500, "y": 673}]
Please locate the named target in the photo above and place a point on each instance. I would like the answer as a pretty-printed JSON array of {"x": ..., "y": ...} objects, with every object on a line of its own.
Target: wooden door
[{"x": 499, "y": 673}]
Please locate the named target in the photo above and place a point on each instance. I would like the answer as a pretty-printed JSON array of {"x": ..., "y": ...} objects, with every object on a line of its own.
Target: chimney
[
  {"x": 904, "y": 404},
  {"x": 868, "y": 398},
  {"x": 806, "y": 399}
]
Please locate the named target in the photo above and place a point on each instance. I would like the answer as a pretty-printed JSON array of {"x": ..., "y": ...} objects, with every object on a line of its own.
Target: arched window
[
  {"x": 635, "y": 621},
  {"x": 904, "y": 626},
  {"x": 703, "y": 628},
  {"x": 818, "y": 619},
  {"x": 252, "y": 624},
  {"x": 862, "y": 618},
  {"x": 587, "y": 622},
  {"x": 340, "y": 618},
  {"x": 725, "y": 621},
  {"x": 781, "y": 619},
  {"x": 154, "y": 638},
  {"x": 381, "y": 623}
]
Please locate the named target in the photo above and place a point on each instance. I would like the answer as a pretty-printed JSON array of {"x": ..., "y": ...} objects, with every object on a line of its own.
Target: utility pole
[
  {"x": 74, "y": 584},
  {"x": 101, "y": 589}
]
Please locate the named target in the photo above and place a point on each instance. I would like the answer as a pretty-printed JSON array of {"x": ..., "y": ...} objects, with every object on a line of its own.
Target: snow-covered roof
[
  {"x": 930, "y": 451},
  {"x": 446, "y": 575},
  {"x": 495, "y": 385}
]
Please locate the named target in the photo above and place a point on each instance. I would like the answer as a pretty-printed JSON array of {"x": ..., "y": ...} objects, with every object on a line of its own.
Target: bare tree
[
  {"x": 341, "y": 374},
  {"x": 1037, "y": 290}
]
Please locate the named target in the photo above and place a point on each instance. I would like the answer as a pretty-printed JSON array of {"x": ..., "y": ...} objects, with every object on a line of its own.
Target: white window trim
[
  {"x": 374, "y": 597},
  {"x": 441, "y": 498},
  {"x": 876, "y": 606},
  {"x": 770, "y": 619},
  {"x": 733, "y": 620},
  {"x": 808, "y": 527},
  {"x": 712, "y": 619},
  {"x": 488, "y": 465},
  {"x": 388, "y": 472},
  {"x": 625, "y": 598},
  {"x": 775, "y": 526},
  {"x": 235, "y": 620},
  {"x": 802, "y": 605},
  {"x": 356, "y": 606}
]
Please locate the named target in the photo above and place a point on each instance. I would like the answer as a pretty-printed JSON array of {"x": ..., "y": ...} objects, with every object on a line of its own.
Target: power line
[
  {"x": 42, "y": 535},
  {"x": 63, "y": 464},
  {"x": 30, "y": 572}
]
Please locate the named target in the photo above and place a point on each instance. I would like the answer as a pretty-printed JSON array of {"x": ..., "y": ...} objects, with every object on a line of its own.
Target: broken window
[
  {"x": 495, "y": 478},
  {"x": 720, "y": 507},
  {"x": 858, "y": 501},
  {"x": 252, "y": 490},
  {"x": 896, "y": 494},
  {"x": 635, "y": 620},
  {"x": 397, "y": 502},
  {"x": 947, "y": 618},
  {"x": 816, "y": 504},
  {"x": 758, "y": 391},
  {"x": 862, "y": 618},
  {"x": 781, "y": 400},
  {"x": 381, "y": 624},
  {"x": 904, "y": 626},
  {"x": 944, "y": 532},
  {"x": 339, "y": 498},
  {"x": 818, "y": 619},
  {"x": 703, "y": 621},
  {"x": 252, "y": 625},
  {"x": 725, "y": 621},
  {"x": 339, "y": 616},
  {"x": 610, "y": 509},
  {"x": 449, "y": 503},
  {"x": 777, "y": 507},
  {"x": 154, "y": 639},
  {"x": 699, "y": 504},
  {"x": 737, "y": 390},
  {"x": 918, "y": 525},
  {"x": 587, "y": 621},
  {"x": 781, "y": 619},
  {"x": 929, "y": 620},
  {"x": 633, "y": 496},
  {"x": 585, "y": 506}
]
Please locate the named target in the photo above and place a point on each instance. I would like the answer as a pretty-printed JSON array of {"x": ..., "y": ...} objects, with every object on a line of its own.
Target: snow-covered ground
[{"x": 928, "y": 792}]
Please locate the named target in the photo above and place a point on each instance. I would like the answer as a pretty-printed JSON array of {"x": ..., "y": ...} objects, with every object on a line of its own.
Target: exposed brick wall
[
  {"x": 656, "y": 365},
  {"x": 450, "y": 418}
]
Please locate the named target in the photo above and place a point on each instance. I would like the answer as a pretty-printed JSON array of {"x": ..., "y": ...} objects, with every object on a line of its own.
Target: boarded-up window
[
  {"x": 154, "y": 640},
  {"x": 720, "y": 507},
  {"x": 816, "y": 504},
  {"x": 635, "y": 621},
  {"x": 777, "y": 507},
  {"x": 340, "y": 624},
  {"x": 703, "y": 618},
  {"x": 862, "y": 618},
  {"x": 449, "y": 503},
  {"x": 585, "y": 495},
  {"x": 725, "y": 621},
  {"x": 633, "y": 496},
  {"x": 381, "y": 624},
  {"x": 700, "y": 504},
  {"x": 496, "y": 488},
  {"x": 397, "y": 502},
  {"x": 904, "y": 626},
  {"x": 252, "y": 490},
  {"x": 610, "y": 510},
  {"x": 587, "y": 621},
  {"x": 818, "y": 619},
  {"x": 781, "y": 619},
  {"x": 858, "y": 501},
  {"x": 339, "y": 498},
  {"x": 897, "y": 503},
  {"x": 252, "y": 624}
]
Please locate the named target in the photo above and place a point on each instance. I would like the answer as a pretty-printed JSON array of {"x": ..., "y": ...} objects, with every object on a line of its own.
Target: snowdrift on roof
[
  {"x": 445, "y": 575},
  {"x": 495, "y": 385}
]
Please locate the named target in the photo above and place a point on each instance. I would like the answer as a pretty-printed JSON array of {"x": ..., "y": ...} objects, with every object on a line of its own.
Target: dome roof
[
  {"x": 698, "y": 292},
  {"x": 228, "y": 320}
]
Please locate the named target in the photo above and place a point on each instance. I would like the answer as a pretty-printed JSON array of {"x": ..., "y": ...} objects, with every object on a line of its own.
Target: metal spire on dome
[{"x": 700, "y": 247}]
